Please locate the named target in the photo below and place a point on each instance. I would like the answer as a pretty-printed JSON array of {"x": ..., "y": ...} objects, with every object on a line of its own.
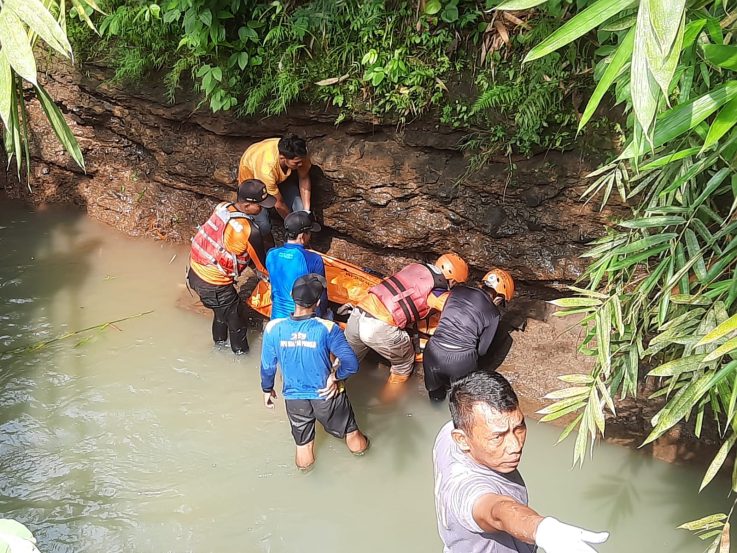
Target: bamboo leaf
[
  {"x": 15, "y": 44},
  {"x": 597, "y": 412},
  {"x": 727, "y": 327},
  {"x": 6, "y": 90},
  {"x": 724, "y": 121},
  {"x": 569, "y": 428},
  {"x": 576, "y": 378},
  {"x": 665, "y": 160},
  {"x": 676, "y": 367},
  {"x": 665, "y": 37},
  {"x": 721, "y": 56},
  {"x": 684, "y": 117},
  {"x": 718, "y": 460},
  {"x": 615, "y": 67},
  {"x": 598, "y": 250},
  {"x": 589, "y": 293},
  {"x": 519, "y": 4},
  {"x": 644, "y": 90},
  {"x": 607, "y": 397},
  {"x": 645, "y": 243},
  {"x": 568, "y": 392},
  {"x": 650, "y": 222},
  {"x": 724, "y": 547},
  {"x": 725, "y": 348},
  {"x": 694, "y": 251},
  {"x": 681, "y": 405},
  {"x": 707, "y": 522},
  {"x": 576, "y": 302},
  {"x": 579, "y": 448},
  {"x": 714, "y": 182},
  {"x": 562, "y": 412},
  {"x": 39, "y": 20},
  {"x": 62, "y": 130},
  {"x": 596, "y": 14},
  {"x": 83, "y": 14}
]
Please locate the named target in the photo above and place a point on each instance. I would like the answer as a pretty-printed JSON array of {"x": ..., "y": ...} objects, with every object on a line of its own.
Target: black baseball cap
[
  {"x": 254, "y": 191},
  {"x": 300, "y": 221},
  {"x": 307, "y": 289}
]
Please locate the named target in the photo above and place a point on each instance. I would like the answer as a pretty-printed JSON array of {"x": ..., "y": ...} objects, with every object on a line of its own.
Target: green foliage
[
  {"x": 664, "y": 280},
  {"x": 384, "y": 60},
  {"x": 22, "y": 22}
]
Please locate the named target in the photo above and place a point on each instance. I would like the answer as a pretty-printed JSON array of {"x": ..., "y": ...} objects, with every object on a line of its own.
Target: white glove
[
  {"x": 18, "y": 544},
  {"x": 555, "y": 537}
]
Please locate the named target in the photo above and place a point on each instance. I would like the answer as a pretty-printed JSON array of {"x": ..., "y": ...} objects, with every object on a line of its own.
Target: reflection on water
[{"x": 148, "y": 438}]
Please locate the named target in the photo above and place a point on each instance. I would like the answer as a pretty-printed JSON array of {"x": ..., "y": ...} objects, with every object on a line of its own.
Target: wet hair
[
  {"x": 486, "y": 387},
  {"x": 292, "y": 146}
]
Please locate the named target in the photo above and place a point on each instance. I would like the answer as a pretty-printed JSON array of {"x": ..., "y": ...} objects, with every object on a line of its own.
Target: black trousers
[
  {"x": 229, "y": 312},
  {"x": 443, "y": 366}
]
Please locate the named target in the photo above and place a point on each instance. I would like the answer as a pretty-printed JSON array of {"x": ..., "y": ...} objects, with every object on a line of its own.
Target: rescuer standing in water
[{"x": 221, "y": 249}]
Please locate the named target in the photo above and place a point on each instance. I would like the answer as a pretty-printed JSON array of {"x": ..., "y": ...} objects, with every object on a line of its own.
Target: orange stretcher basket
[{"x": 347, "y": 283}]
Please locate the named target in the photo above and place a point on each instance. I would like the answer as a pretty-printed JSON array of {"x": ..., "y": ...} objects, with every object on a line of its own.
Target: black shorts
[{"x": 335, "y": 415}]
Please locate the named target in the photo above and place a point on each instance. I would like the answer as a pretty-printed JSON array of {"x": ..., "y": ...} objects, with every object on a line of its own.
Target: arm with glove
[{"x": 499, "y": 513}]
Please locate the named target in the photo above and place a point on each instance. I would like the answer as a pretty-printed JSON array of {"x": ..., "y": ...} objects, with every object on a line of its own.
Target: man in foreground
[
  {"x": 272, "y": 162},
  {"x": 291, "y": 261},
  {"x": 221, "y": 249},
  {"x": 380, "y": 320},
  {"x": 302, "y": 345},
  {"x": 466, "y": 330},
  {"x": 480, "y": 497}
]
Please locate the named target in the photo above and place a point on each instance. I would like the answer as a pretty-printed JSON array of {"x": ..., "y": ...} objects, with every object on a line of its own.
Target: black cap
[
  {"x": 307, "y": 289},
  {"x": 298, "y": 222},
  {"x": 254, "y": 191}
]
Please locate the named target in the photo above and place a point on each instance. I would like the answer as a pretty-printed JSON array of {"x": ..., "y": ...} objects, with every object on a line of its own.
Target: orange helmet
[
  {"x": 500, "y": 281},
  {"x": 453, "y": 267}
]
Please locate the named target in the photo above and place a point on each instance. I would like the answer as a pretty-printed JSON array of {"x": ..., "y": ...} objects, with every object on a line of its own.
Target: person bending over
[
  {"x": 302, "y": 345},
  {"x": 380, "y": 320},
  {"x": 466, "y": 329},
  {"x": 272, "y": 161}
]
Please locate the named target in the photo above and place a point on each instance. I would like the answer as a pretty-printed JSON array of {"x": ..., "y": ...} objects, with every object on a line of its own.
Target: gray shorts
[{"x": 335, "y": 415}]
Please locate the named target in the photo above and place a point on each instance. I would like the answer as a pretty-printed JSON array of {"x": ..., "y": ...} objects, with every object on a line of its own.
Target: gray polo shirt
[{"x": 459, "y": 483}]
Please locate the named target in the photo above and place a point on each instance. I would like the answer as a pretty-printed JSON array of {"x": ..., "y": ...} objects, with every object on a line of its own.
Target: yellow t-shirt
[{"x": 261, "y": 161}]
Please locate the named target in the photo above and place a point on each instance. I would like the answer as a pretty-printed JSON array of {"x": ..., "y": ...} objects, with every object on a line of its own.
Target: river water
[{"x": 145, "y": 437}]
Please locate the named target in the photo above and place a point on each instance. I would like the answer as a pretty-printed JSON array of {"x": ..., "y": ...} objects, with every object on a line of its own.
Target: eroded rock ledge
[{"x": 155, "y": 168}]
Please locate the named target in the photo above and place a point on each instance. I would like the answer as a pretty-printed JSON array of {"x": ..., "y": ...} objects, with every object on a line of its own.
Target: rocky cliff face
[{"x": 384, "y": 196}]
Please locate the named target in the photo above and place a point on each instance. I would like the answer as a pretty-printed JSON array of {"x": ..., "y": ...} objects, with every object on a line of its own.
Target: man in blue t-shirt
[
  {"x": 291, "y": 261},
  {"x": 301, "y": 345}
]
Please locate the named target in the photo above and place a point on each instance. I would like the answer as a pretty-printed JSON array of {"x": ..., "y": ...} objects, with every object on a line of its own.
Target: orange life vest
[
  {"x": 207, "y": 243},
  {"x": 405, "y": 294}
]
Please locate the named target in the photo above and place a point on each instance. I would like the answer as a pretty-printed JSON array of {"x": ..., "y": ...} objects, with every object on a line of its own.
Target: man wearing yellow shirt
[
  {"x": 380, "y": 320},
  {"x": 272, "y": 161},
  {"x": 221, "y": 249}
]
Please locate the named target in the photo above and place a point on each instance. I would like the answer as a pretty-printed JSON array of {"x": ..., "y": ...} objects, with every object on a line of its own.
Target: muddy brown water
[{"x": 144, "y": 437}]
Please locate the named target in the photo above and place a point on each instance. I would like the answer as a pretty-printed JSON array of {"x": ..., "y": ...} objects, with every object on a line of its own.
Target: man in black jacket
[{"x": 467, "y": 327}]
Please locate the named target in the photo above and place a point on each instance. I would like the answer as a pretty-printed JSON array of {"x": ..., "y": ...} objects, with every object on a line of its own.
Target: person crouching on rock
[
  {"x": 302, "y": 345},
  {"x": 466, "y": 329},
  {"x": 221, "y": 249},
  {"x": 272, "y": 161},
  {"x": 380, "y": 320}
]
